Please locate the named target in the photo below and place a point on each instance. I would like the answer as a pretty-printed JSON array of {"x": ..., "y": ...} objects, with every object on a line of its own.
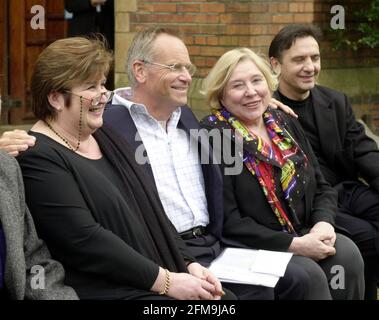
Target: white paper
[
  {"x": 271, "y": 262},
  {"x": 258, "y": 267}
]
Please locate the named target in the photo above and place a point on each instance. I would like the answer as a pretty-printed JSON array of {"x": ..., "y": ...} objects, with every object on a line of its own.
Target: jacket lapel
[
  {"x": 119, "y": 119},
  {"x": 325, "y": 121}
]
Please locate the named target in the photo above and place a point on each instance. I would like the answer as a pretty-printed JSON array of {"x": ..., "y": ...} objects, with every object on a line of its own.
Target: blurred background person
[{"x": 90, "y": 17}]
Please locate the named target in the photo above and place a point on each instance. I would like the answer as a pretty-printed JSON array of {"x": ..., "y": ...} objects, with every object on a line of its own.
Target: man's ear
[
  {"x": 275, "y": 65},
  {"x": 56, "y": 100},
  {"x": 139, "y": 71}
]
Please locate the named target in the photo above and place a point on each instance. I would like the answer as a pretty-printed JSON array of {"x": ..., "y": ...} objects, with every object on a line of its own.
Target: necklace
[{"x": 63, "y": 138}]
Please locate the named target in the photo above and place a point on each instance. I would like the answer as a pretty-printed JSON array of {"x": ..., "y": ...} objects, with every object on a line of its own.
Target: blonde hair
[
  {"x": 214, "y": 84},
  {"x": 64, "y": 64}
]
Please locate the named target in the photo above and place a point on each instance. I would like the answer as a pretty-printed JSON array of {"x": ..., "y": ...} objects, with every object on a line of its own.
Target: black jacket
[
  {"x": 249, "y": 219},
  {"x": 344, "y": 144}
]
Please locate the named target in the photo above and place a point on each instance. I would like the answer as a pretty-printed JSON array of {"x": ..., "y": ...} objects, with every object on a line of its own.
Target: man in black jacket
[{"x": 344, "y": 151}]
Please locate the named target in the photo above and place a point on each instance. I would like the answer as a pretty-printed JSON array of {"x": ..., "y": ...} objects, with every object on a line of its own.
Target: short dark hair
[{"x": 288, "y": 35}]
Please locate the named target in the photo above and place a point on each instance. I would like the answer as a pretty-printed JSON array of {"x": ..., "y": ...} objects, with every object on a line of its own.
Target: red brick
[
  {"x": 258, "y": 7},
  {"x": 205, "y": 18},
  {"x": 199, "y": 62},
  {"x": 210, "y": 62},
  {"x": 212, "y": 7},
  {"x": 303, "y": 18},
  {"x": 274, "y": 28},
  {"x": 237, "y": 7},
  {"x": 239, "y": 18},
  {"x": 145, "y": 7},
  {"x": 164, "y": 7},
  {"x": 212, "y": 51},
  {"x": 258, "y": 29},
  {"x": 309, "y": 7},
  {"x": 296, "y": 7},
  {"x": 244, "y": 41},
  {"x": 237, "y": 29},
  {"x": 193, "y": 50},
  {"x": 228, "y": 41},
  {"x": 260, "y": 18},
  {"x": 260, "y": 41},
  {"x": 212, "y": 40},
  {"x": 288, "y": 18},
  {"x": 188, "y": 40},
  {"x": 188, "y": 8},
  {"x": 283, "y": 7},
  {"x": 200, "y": 40},
  {"x": 215, "y": 29}
]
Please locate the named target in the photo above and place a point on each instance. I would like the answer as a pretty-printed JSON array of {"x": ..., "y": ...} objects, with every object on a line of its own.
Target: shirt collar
[{"x": 123, "y": 96}]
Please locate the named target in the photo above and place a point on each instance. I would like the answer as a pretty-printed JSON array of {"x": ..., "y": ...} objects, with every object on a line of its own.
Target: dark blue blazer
[{"x": 118, "y": 117}]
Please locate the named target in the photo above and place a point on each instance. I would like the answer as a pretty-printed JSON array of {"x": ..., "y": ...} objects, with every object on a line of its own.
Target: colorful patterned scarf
[{"x": 260, "y": 159}]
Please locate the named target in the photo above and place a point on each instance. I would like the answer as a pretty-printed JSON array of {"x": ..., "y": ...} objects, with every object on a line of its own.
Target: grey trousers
[{"x": 338, "y": 277}]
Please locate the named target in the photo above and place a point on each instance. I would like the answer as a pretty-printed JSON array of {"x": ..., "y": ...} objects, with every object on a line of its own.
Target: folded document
[{"x": 248, "y": 266}]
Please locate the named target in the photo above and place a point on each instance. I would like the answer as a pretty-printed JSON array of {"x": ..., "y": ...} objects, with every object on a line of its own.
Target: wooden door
[
  {"x": 23, "y": 45},
  {"x": 3, "y": 56}
]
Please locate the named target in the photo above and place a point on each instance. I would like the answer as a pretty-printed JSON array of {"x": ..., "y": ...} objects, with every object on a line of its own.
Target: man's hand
[
  {"x": 16, "y": 141},
  {"x": 275, "y": 104},
  {"x": 326, "y": 232}
]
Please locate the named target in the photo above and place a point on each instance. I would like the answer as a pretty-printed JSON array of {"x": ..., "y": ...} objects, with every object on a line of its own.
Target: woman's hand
[
  {"x": 275, "y": 104},
  {"x": 16, "y": 141},
  {"x": 312, "y": 246},
  {"x": 184, "y": 286},
  {"x": 198, "y": 271},
  {"x": 326, "y": 232}
]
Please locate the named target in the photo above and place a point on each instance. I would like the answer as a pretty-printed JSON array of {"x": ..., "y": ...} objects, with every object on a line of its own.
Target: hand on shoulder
[{"x": 15, "y": 141}]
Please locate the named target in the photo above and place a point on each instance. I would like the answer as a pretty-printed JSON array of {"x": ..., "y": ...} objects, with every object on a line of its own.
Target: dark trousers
[
  {"x": 338, "y": 277},
  {"x": 359, "y": 214},
  {"x": 294, "y": 285}
]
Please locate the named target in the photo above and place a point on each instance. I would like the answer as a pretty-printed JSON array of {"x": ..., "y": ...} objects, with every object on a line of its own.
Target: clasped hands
[
  {"x": 318, "y": 244},
  {"x": 198, "y": 284}
]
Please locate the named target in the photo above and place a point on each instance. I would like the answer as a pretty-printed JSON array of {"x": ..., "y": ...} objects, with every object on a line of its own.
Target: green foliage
[{"x": 367, "y": 30}]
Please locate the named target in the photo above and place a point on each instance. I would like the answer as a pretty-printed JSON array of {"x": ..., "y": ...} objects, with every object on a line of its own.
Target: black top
[
  {"x": 94, "y": 222},
  {"x": 248, "y": 218},
  {"x": 306, "y": 113},
  {"x": 346, "y": 148}
]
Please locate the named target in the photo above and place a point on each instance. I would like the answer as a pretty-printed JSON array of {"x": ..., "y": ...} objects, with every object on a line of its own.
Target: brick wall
[{"x": 211, "y": 28}]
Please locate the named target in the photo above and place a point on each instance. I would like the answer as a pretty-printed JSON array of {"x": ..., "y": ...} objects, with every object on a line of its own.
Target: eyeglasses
[
  {"x": 96, "y": 99},
  {"x": 176, "y": 67}
]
